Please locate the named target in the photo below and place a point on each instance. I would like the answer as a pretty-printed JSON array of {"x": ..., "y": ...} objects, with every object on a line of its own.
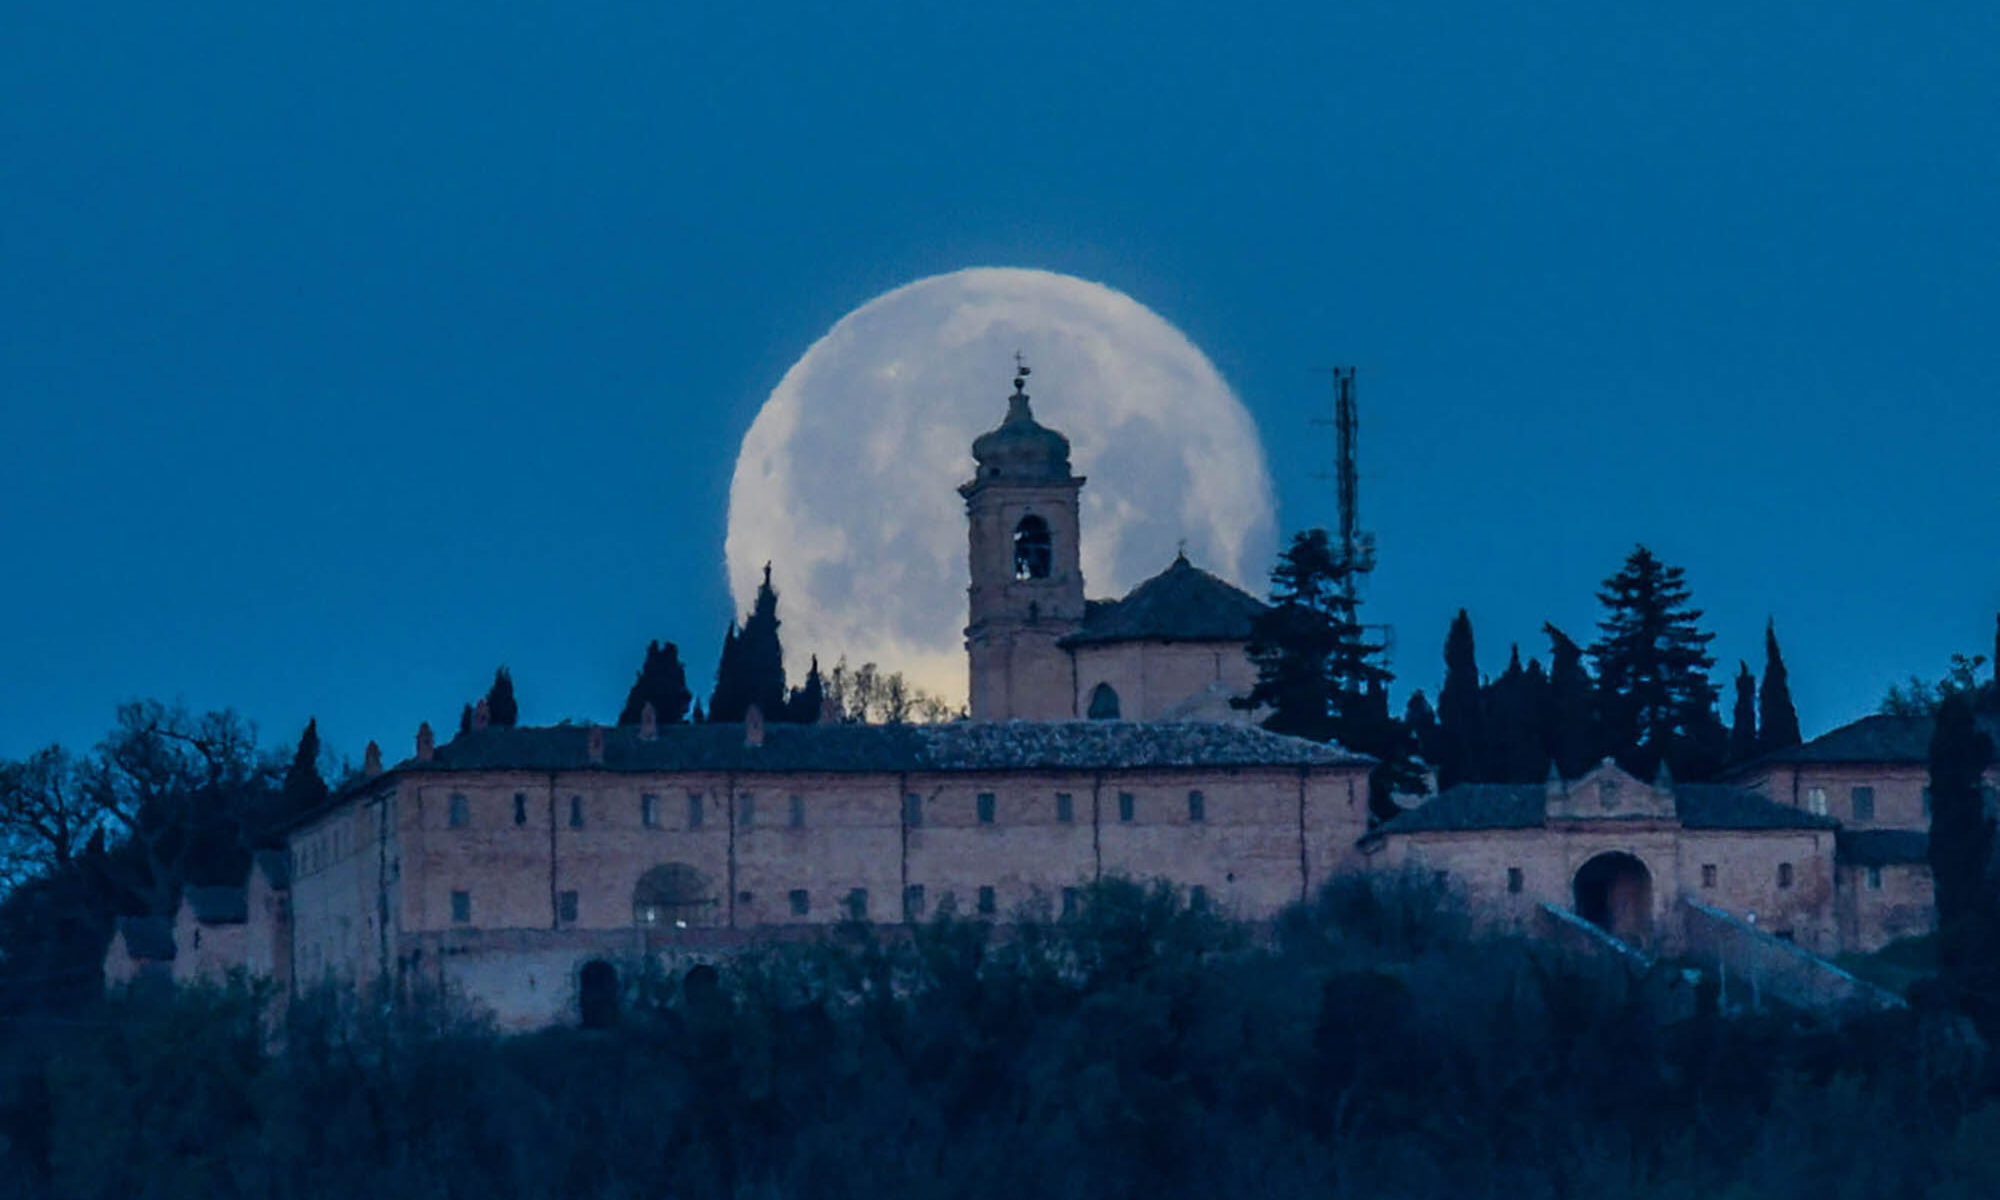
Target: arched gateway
[{"x": 1614, "y": 892}]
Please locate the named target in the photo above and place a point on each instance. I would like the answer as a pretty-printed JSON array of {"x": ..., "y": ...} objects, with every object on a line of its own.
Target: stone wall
[
  {"x": 1154, "y": 678},
  {"x": 1879, "y": 906},
  {"x": 1753, "y": 964}
]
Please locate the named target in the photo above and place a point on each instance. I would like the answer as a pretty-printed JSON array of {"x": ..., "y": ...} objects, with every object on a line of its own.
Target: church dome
[{"x": 1021, "y": 448}]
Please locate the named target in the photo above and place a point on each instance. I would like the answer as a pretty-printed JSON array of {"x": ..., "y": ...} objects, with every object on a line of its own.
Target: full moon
[{"x": 846, "y": 480}]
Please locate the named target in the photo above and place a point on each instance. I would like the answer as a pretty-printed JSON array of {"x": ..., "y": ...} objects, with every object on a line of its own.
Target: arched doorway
[
  {"x": 597, "y": 994},
  {"x": 1614, "y": 892},
  {"x": 674, "y": 896}
]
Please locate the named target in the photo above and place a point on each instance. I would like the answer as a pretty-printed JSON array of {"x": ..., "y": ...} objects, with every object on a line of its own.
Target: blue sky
[{"x": 347, "y": 353}]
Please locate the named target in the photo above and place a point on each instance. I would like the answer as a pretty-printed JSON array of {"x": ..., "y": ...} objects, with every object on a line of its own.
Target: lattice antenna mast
[{"x": 1357, "y": 547}]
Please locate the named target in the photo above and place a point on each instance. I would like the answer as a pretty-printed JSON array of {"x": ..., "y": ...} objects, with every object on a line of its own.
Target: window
[
  {"x": 1197, "y": 806},
  {"x": 576, "y": 812},
  {"x": 988, "y": 903},
  {"x": 1103, "y": 703},
  {"x": 1516, "y": 880},
  {"x": 1125, "y": 806},
  {"x": 1065, "y": 807},
  {"x": 1784, "y": 875},
  {"x": 649, "y": 810},
  {"x": 1198, "y": 898},
  {"x": 913, "y": 809},
  {"x": 1816, "y": 801},
  {"x": 1708, "y": 875},
  {"x": 913, "y": 902},
  {"x": 1864, "y": 803},
  {"x": 801, "y": 902},
  {"x": 694, "y": 810},
  {"x": 1874, "y": 879},
  {"x": 746, "y": 810},
  {"x": 520, "y": 808},
  {"x": 986, "y": 808},
  {"x": 798, "y": 813},
  {"x": 566, "y": 908},
  {"x": 1070, "y": 899},
  {"x": 1034, "y": 553},
  {"x": 461, "y": 811},
  {"x": 461, "y": 907},
  {"x": 857, "y": 904}
]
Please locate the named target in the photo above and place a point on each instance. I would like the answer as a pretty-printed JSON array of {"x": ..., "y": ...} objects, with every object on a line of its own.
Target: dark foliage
[
  {"x": 751, "y": 669},
  {"x": 1777, "y": 720},
  {"x": 1461, "y": 727},
  {"x": 1743, "y": 719},
  {"x": 1962, "y": 868},
  {"x": 1514, "y": 706},
  {"x": 304, "y": 789},
  {"x": 1654, "y": 698},
  {"x": 809, "y": 698},
  {"x": 502, "y": 711},
  {"x": 662, "y": 683},
  {"x": 1422, "y": 722},
  {"x": 1570, "y": 725}
]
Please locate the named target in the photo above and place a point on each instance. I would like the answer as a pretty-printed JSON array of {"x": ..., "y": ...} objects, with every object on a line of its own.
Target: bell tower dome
[{"x": 1026, "y": 589}]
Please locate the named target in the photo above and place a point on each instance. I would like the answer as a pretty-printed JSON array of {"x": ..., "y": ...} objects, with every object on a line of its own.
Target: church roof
[
  {"x": 1022, "y": 448},
  {"x": 1873, "y": 739},
  {"x": 1479, "y": 806},
  {"x": 1181, "y": 604},
  {"x": 1882, "y": 847}
]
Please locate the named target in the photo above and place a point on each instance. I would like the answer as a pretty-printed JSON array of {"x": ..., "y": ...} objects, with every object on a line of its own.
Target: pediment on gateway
[{"x": 1607, "y": 792}]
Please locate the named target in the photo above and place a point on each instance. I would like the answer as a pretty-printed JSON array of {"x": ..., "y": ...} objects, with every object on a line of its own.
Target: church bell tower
[{"x": 1027, "y": 579}]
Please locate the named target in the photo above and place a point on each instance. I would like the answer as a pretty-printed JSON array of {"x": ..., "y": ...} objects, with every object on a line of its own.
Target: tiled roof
[
  {"x": 1181, "y": 604},
  {"x": 1882, "y": 847},
  {"x": 277, "y": 867},
  {"x": 218, "y": 905},
  {"x": 1873, "y": 739},
  {"x": 1477, "y": 806},
  {"x": 148, "y": 938}
]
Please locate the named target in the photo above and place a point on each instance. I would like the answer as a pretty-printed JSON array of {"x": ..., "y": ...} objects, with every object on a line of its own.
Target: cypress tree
[
  {"x": 1961, "y": 858},
  {"x": 809, "y": 697},
  {"x": 1777, "y": 720},
  {"x": 501, "y": 710},
  {"x": 1461, "y": 726},
  {"x": 1512, "y": 704},
  {"x": 1653, "y": 692},
  {"x": 1421, "y": 720},
  {"x": 465, "y": 719},
  {"x": 304, "y": 789},
  {"x": 662, "y": 682},
  {"x": 726, "y": 704},
  {"x": 1569, "y": 724},
  {"x": 761, "y": 654},
  {"x": 1743, "y": 724}
]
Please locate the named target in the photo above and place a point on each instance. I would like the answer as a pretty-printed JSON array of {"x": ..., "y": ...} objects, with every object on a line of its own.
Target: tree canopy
[
  {"x": 662, "y": 682},
  {"x": 1654, "y": 697}
]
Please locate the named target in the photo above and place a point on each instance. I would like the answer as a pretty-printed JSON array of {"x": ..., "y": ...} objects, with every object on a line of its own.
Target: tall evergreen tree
[
  {"x": 1421, "y": 720},
  {"x": 1961, "y": 857},
  {"x": 1653, "y": 692},
  {"x": 304, "y": 790},
  {"x": 1777, "y": 720},
  {"x": 731, "y": 697},
  {"x": 1743, "y": 722},
  {"x": 809, "y": 697},
  {"x": 1569, "y": 722},
  {"x": 763, "y": 656},
  {"x": 1512, "y": 703},
  {"x": 1461, "y": 724},
  {"x": 662, "y": 682},
  {"x": 465, "y": 719},
  {"x": 501, "y": 710}
]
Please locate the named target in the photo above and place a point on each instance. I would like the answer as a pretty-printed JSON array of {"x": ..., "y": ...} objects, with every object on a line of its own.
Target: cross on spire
[{"x": 1021, "y": 371}]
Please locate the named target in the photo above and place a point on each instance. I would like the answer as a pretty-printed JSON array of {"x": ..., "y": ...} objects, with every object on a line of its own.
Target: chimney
[
  {"x": 426, "y": 743},
  {"x": 596, "y": 745},
  {"x": 1555, "y": 788},
  {"x": 829, "y": 711},
  {"x": 482, "y": 715},
  {"x": 1663, "y": 780},
  {"x": 371, "y": 761},
  {"x": 649, "y": 723},
  {"x": 753, "y": 726}
]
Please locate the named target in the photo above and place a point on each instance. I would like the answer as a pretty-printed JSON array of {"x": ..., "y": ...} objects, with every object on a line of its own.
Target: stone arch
[
  {"x": 1034, "y": 549},
  {"x": 1614, "y": 891},
  {"x": 1104, "y": 703},
  {"x": 597, "y": 994},
  {"x": 675, "y": 896}
]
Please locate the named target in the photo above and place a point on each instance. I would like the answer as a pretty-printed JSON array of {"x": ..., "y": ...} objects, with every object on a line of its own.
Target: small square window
[
  {"x": 566, "y": 908},
  {"x": 461, "y": 907},
  {"x": 857, "y": 904},
  {"x": 988, "y": 902},
  {"x": 576, "y": 812},
  {"x": 1864, "y": 803},
  {"x": 1784, "y": 875},
  {"x": 798, "y": 812},
  {"x": 1874, "y": 879},
  {"x": 746, "y": 810},
  {"x": 913, "y": 809},
  {"x": 913, "y": 902},
  {"x": 520, "y": 808},
  {"x": 1816, "y": 801},
  {"x": 1126, "y": 805},
  {"x": 649, "y": 810},
  {"x": 1708, "y": 875},
  {"x": 1197, "y": 807},
  {"x": 1071, "y": 899},
  {"x": 461, "y": 811},
  {"x": 985, "y": 804},
  {"x": 1516, "y": 880},
  {"x": 801, "y": 902},
  {"x": 694, "y": 810},
  {"x": 1065, "y": 808}
]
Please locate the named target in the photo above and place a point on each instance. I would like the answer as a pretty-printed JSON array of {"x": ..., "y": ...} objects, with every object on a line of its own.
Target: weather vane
[{"x": 1021, "y": 371}]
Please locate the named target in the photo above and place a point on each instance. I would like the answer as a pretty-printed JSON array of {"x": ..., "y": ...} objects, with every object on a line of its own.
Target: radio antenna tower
[{"x": 1357, "y": 547}]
